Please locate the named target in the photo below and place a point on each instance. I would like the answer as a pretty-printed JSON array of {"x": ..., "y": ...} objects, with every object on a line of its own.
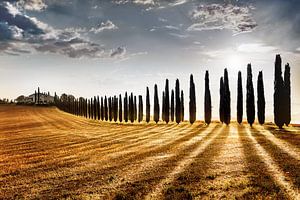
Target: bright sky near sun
[{"x": 107, "y": 47}]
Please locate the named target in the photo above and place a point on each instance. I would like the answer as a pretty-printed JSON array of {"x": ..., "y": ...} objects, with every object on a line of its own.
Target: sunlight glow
[{"x": 235, "y": 61}]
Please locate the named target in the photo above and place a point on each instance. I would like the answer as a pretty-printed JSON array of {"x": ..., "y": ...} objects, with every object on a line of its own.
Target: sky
[{"x": 107, "y": 47}]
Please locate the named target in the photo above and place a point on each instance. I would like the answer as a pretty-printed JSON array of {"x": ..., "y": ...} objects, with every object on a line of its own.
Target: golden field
[{"x": 48, "y": 154}]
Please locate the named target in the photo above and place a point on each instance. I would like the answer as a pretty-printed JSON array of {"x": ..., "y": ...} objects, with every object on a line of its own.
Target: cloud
[
  {"x": 138, "y": 2},
  {"x": 108, "y": 25},
  {"x": 36, "y": 5},
  {"x": 73, "y": 48},
  {"x": 150, "y": 4},
  {"x": 20, "y": 33},
  {"x": 298, "y": 49},
  {"x": 179, "y": 35},
  {"x": 238, "y": 19},
  {"x": 256, "y": 48},
  {"x": 170, "y": 27},
  {"x": 119, "y": 52},
  {"x": 11, "y": 16},
  {"x": 178, "y": 2}
]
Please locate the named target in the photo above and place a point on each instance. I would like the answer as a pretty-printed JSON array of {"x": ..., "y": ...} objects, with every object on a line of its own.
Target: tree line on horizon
[{"x": 130, "y": 108}]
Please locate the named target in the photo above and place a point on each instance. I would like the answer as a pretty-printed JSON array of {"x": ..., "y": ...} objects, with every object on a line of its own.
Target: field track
[{"x": 48, "y": 154}]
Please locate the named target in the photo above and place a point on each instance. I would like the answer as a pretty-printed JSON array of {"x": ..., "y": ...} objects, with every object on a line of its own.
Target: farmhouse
[{"x": 44, "y": 98}]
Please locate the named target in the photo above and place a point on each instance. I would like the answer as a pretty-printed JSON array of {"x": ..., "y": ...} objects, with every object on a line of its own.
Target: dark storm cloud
[
  {"x": 12, "y": 17},
  {"x": 17, "y": 30}
]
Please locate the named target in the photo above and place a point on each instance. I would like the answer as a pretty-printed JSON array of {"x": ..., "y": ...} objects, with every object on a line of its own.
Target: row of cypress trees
[
  {"x": 170, "y": 112},
  {"x": 225, "y": 101},
  {"x": 105, "y": 109},
  {"x": 282, "y": 94},
  {"x": 250, "y": 99},
  {"x": 172, "y": 107}
]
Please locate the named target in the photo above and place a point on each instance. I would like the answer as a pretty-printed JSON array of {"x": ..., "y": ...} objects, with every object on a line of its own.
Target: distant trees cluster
[
  {"x": 131, "y": 107},
  {"x": 103, "y": 108}
]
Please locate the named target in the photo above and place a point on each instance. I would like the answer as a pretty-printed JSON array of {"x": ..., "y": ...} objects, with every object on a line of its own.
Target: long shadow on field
[
  {"x": 66, "y": 142},
  {"x": 289, "y": 165},
  {"x": 289, "y": 136},
  {"x": 98, "y": 145},
  {"x": 261, "y": 183},
  {"x": 149, "y": 179},
  {"x": 20, "y": 126},
  {"x": 103, "y": 176},
  {"x": 193, "y": 180},
  {"x": 41, "y": 160}
]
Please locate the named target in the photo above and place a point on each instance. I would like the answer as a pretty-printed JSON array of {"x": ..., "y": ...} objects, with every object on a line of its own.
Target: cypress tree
[
  {"x": 260, "y": 99},
  {"x": 112, "y": 108},
  {"x": 250, "y": 97},
  {"x": 172, "y": 106},
  {"x": 86, "y": 108},
  {"x": 105, "y": 109},
  {"x": 35, "y": 96},
  {"x": 115, "y": 109},
  {"x": 167, "y": 102},
  {"x": 192, "y": 103},
  {"x": 98, "y": 108},
  {"x": 240, "y": 99},
  {"x": 207, "y": 100},
  {"x": 82, "y": 100},
  {"x": 163, "y": 106},
  {"x": 91, "y": 108},
  {"x": 227, "y": 109},
  {"x": 126, "y": 107},
  {"x": 278, "y": 94},
  {"x": 78, "y": 107},
  {"x": 120, "y": 109},
  {"x": 75, "y": 107},
  {"x": 102, "y": 109},
  {"x": 95, "y": 108},
  {"x": 55, "y": 97},
  {"x": 38, "y": 95},
  {"x": 131, "y": 108},
  {"x": 147, "y": 106},
  {"x": 178, "y": 104},
  {"x": 221, "y": 109},
  {"x": 140, "y": 108},
  {"x": 135, "y": 108},
  {"x": 156, "y": 105},
  {"x": 287, "y": 89},
  {"x": 182, "y": 106},
  {"x": 110, "y": 111}
]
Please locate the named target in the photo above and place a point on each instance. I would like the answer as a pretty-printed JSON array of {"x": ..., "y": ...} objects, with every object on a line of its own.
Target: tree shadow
[
  {"x": 284, "y": 134},
  {"x": 150, "y": 178},
  {"x": 288, "y": 164},
  {"x": 196, "y": 177},
  {"x": 261, "y": 183},
  {"x": 102, "y": 176}
]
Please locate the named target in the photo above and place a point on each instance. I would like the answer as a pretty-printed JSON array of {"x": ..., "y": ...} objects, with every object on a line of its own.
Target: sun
[{"x": 235, "y": 61}]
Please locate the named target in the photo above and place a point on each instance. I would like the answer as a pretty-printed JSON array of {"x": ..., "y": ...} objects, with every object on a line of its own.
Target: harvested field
[{"x": 48, "y": 154}]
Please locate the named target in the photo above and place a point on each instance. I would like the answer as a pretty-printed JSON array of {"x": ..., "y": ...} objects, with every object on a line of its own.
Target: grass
[
  {"x": 177, "y": 193},
  {"x": 48, "y": 154}
]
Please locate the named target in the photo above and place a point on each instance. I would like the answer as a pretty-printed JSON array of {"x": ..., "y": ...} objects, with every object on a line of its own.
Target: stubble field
[{"x": 48, "y": 154}]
